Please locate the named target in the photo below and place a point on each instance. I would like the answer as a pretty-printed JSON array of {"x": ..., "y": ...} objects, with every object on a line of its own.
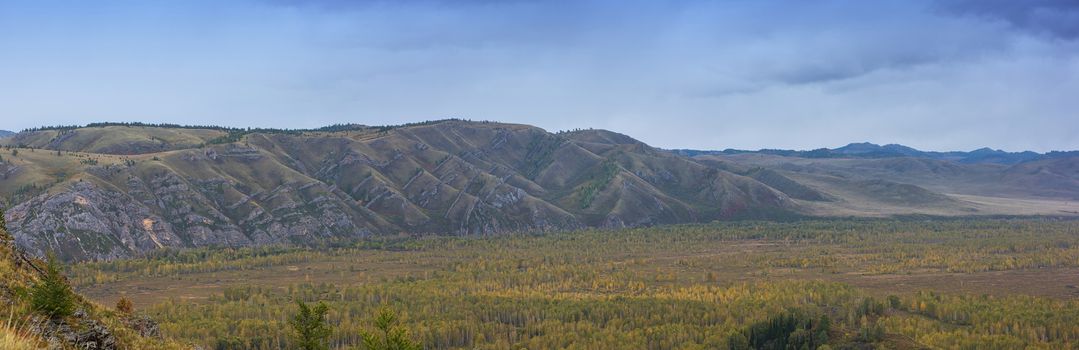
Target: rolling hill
[
  {"x": 910, "y": 185},
  {"x": 112, "y": 190},
  {"x": 94, "y": 197}
]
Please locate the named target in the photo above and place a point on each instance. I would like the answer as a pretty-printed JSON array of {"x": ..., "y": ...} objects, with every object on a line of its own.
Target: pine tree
[
  {"x": 738, "y": 341},
  {"x": 824, "y": 325},
  {"x": 392, "y": 337},
  {"x": 309, "y": 326},
  {"x": 52, "y": 296},
  {"x": 4, "y": 235}
]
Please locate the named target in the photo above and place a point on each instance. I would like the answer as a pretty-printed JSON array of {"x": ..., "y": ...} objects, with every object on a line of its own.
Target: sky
[{"x": 793, "y": 74}]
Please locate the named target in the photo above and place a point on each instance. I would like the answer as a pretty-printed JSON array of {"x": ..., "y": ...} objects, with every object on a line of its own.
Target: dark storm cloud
[{"x": 1058, "y": 18}]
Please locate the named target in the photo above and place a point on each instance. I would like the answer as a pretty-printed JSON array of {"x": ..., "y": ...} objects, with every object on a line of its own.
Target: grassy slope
[
  {"x": 34, "y": 171},
  {"x": 17, "y": 314},
  {"x": 115, "y": 139}
]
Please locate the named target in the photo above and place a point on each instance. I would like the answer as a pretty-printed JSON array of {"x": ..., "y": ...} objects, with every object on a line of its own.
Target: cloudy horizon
[{"x": 936, "y": 75}]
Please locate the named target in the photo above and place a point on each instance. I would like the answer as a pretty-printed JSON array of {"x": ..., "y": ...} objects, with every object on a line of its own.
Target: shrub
[
  {"x": 124, "y": 305},
  {"x": 894, "y": 302}
]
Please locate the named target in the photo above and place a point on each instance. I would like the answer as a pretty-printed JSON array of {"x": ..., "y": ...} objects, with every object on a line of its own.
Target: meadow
[{"x": 843, "y": 283}]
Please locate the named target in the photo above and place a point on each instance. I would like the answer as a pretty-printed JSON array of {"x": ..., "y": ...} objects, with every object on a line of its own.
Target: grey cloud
[
  {"x": 807, "y": 75},
  {"x": 821, "y": 48},
  {"x": 742, "y": 74},
  {"x": 1059, "y": 18}
]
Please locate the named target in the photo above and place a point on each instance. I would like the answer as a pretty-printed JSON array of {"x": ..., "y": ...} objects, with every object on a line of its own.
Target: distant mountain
[
  {"x": 5, "y": 133},
  {"x": 870, "y": 150},
  {"x": 113, "y": 190}
]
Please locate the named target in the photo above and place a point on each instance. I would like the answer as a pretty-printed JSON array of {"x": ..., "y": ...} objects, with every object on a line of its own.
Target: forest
[{"x": 817, "y": 284}]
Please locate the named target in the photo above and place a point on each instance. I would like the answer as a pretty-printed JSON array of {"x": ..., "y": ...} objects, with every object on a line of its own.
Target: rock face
[
  {"x": 94, "y": 335},
  {"x": 90, "y": 327},
  {"x": 86, "y": 334},
  {"x": 145, "y": 326},
  {"x": 452, "y": 177}
]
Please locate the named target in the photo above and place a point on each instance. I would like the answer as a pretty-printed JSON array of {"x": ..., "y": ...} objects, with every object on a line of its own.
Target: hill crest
[
  {"x": 107, "y": 191},
  {"x": 444, "y": 177}
]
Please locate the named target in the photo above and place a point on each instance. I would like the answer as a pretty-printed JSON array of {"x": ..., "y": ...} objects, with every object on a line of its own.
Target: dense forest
[{"x": 763, "y": 285}]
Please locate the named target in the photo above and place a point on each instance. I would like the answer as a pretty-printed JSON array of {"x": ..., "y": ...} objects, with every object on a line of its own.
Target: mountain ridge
[
  {"x": 871, "y": 150},
  {"x": 445, "y": 177},
  {"x": 115, "y": 190}
]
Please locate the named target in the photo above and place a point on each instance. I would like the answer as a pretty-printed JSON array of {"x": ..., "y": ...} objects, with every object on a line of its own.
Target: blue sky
[{"x": 932, "y": 74}]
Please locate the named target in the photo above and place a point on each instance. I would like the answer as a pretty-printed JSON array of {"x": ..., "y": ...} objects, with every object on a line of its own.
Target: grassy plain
[{"x": 943, "y": 284}]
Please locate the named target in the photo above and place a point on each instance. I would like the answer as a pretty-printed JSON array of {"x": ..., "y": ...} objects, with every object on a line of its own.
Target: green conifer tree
[
  {"x": 310, "y": 331},
  {"x": 390, "y": 335},
  {"x": 51, "y": 295}
]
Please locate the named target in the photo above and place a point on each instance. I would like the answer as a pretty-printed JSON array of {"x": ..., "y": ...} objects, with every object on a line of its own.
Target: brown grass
[{"x": 15, "y": 336}]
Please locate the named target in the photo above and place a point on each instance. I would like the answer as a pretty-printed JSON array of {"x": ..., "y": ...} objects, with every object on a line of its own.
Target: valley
[
  {"x": 543, "y": 291},
  {"x": 533, "y": 175},
  {"x": 484, "y": 235},
  {"x": 107, "y": 191}
]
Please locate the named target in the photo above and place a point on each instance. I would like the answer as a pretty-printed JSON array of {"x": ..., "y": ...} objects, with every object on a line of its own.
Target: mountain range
[
  {"x": 870, "y": 150},
  {"x": 113, "y": 190}
]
